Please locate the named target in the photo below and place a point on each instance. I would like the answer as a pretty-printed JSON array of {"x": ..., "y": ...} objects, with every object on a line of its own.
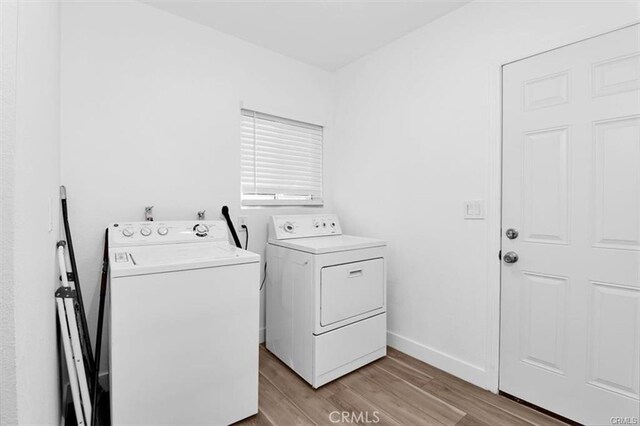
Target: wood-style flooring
[{"x": 395, "y": 390}]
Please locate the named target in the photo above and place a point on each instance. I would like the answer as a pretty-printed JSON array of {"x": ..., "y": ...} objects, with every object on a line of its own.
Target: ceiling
[{"x": 325, "y": 34}]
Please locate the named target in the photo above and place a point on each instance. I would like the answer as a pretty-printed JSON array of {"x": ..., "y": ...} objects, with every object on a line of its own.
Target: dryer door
[{"x": 350, "y": 290}]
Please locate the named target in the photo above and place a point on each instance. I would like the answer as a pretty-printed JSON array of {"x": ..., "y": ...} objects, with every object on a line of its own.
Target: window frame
[{"x": 273, "y": 200}]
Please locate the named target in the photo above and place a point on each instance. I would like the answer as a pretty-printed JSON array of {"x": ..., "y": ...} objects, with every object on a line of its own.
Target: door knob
[
  {"x": 512, "y": 234},
  {"x": 510, "y": 257}
]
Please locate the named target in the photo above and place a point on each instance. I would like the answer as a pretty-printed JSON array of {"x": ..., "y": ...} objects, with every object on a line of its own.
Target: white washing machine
[
  {"x": 326, "y": 297},
  {"x": 184, "y": 324}
]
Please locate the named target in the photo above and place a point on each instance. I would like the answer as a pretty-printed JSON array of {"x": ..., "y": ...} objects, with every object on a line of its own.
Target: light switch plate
[{"x": 473, "y": 209}]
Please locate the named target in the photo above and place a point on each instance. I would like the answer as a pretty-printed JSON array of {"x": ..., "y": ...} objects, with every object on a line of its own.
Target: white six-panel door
[{"x": 570, "y": 304}]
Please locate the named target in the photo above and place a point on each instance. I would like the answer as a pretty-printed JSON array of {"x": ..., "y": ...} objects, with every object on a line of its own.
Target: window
[{"x": 281, "y": 161}]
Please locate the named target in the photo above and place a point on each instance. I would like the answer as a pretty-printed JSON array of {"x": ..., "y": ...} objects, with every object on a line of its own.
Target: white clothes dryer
[{"x": 325, "y": 297}]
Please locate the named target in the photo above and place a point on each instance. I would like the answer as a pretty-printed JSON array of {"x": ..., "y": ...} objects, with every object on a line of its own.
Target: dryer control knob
[
  {"x": 145, "y": 232},
  {"x": 288, "y": 227},
  {"x": 163, "y": 231},
  {"x": 127, "y": 232}
]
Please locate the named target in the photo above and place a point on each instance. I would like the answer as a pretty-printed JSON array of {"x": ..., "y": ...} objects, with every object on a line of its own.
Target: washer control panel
[
  {"x": 303, "y": 226},
  {"x": 170, "y": 232}
]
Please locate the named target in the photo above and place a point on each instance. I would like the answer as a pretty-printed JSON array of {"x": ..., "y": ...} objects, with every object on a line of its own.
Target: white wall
[
  {"x": 8, "y": 46},
  {"x": 150, "y": 116},
  {"x": 416, "y": 128},
  {"x": 30, "y": 179}
]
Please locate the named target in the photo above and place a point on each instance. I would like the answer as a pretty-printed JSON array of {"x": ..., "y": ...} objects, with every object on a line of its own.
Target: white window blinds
[{"x": 281, "y": 160}]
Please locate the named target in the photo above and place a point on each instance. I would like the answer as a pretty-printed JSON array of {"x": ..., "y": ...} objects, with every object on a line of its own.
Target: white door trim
[{"x": 494, "y": 207}]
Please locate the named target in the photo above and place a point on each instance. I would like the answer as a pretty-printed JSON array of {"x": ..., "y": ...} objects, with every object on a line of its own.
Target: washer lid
[
  {"x": 137, "y": 260},
  {"x": 329, "y": 244}
]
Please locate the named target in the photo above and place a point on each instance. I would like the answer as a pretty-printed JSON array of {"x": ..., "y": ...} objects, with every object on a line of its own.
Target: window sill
[{"x": 289, "y": 203}]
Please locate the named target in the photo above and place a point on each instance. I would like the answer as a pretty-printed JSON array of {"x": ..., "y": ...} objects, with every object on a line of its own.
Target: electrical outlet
[{"x": 242, "y": 220}]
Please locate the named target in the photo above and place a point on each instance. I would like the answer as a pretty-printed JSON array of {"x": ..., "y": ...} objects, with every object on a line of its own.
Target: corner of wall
[{"x": 33, "y": 212}]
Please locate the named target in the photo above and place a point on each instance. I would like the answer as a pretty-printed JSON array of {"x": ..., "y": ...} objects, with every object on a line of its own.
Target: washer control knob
[
  {"x": 316, "y": 224},
  {"x": 145, "y": 231},
  {"x": 163, "y": 230},
  {"x": 201, "y": 230},
  {"x": 127, "y": 232},
  {"x": 288, "y": 227},
  {"x": 333, "y": 224}
]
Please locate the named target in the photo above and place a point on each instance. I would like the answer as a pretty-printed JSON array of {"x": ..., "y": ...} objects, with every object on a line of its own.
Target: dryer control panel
[
  {"x": 169, "y": 232},
  {"x": 285, "y": 227}
]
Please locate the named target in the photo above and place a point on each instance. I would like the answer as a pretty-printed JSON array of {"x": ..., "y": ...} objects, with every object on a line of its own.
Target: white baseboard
[
  {"x": 261, "y": 334},
  {"x": 459, "y": 368}
]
